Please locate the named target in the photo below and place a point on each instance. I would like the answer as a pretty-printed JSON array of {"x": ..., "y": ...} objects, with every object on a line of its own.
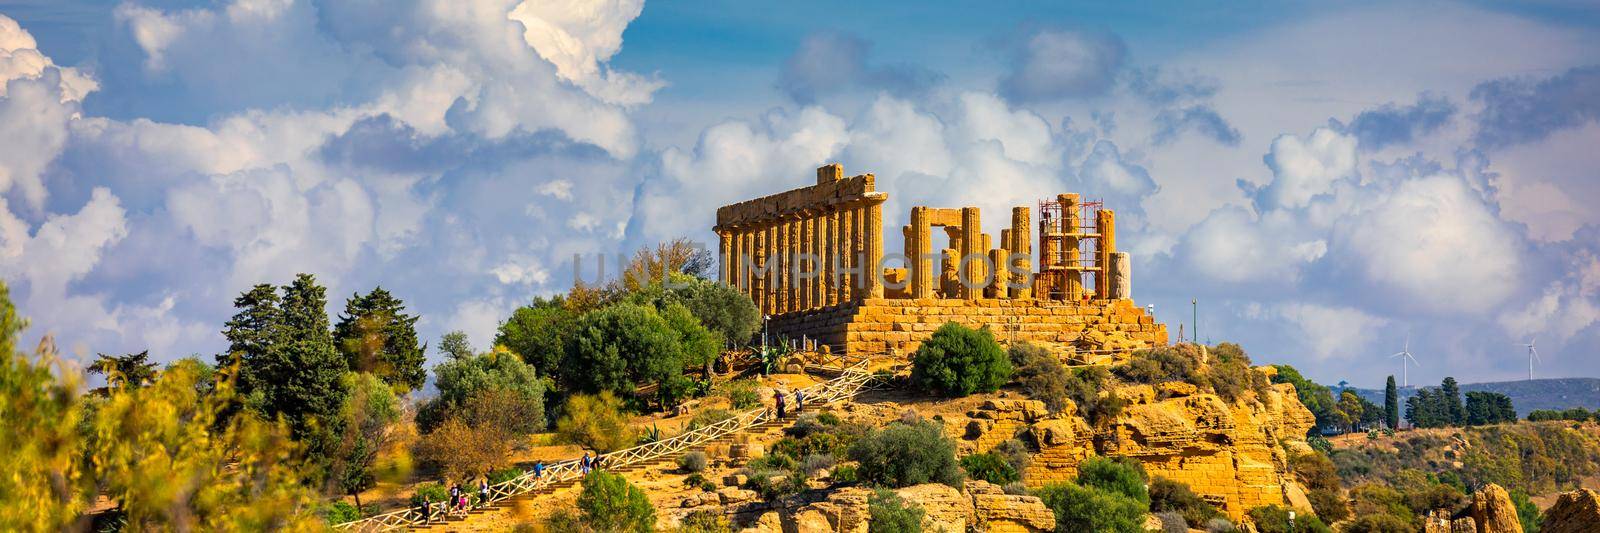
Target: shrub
[
  {"x": 1158, "y": 365},
  {"x": 907, "y": 454},
  {"x": 958, "y": 361},
  {"x": 705, "y": 521},
  {"x": 1084, "y": 386},
  {"x": 1042, "y": 377},
  {"x": 1016, "y": 454},
  {"x": 596, "y": 422},
  {"x": 1079, "y": 508},
  {"x": 429, "y": 493},
  {"x": 1321, "y": 479},
  {"x": 989, "y": 467},
  {"x": 340, "y": 512},
  {"x": 1275, "y": 519},
  {"x": 891, "y": 514},
  {"x": 816, "y": 443},
  {"x": 1379, "y": 523},
  {"x": 692, "y": 462},
  {"x": 1527, "y": 512},
  {"x": 808, "y": 424},
  {"x": 845, "y": 474},
  {"x": 742, "y": 394},
  {"x": 708, "y": 417},
  {"x": 610, "y": 504},
  {"x": 1220, "y": 525},
  {"x": 1121, "y": 476},
  {"x": 1172, "y": 522},
  {"x": 772, "y": 484},
  {"x": 503, "y": 475},
  {"x": 1169, "y": 495},
  {"x": 693, "y": 480},
  {"x": 816, "y": 462},
  {"x": 1016, "y": 488},
  {"x": 460, "y": 380}
]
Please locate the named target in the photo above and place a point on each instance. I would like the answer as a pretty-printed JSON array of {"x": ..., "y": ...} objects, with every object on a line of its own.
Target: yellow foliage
[{"x": 163, "y": 452}]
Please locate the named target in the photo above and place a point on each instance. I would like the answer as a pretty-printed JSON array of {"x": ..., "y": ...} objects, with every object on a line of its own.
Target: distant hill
[{"x": 1560, "y": 393}]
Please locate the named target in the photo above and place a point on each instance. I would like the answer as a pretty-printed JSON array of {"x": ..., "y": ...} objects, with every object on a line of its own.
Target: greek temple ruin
[{"x": 812, "y": 260}]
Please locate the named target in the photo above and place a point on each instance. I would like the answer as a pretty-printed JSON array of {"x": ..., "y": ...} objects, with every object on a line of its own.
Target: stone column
[
  {"x": 1121, "y": 276},
  {"x": 808, "y": 265},
  {"x": 858, "y": 252},
  {"x": 955, "y": 234},
  {"x": 983, "y": 269},
  {"x": 724, "y": 251},
  {"x": 1105, "y": 225},
  {"x": 819, "y": 246},
  {"x": 847, "y": 258},
  {"x": 919, "y": 247},
  {"x": 758, "y": 273},
  {"x": 874, "y": 249},
  {"x": 780, "y": 278},
  {"x": 1021, "y": 248},
  {"x": 999, "y": 257},
  {"x": 830, "y": 258},
  {"x": 971, "y": 239}
]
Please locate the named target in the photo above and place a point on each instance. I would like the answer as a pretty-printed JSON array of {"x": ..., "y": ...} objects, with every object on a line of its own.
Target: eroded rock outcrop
[
  {"x": 1492, "y": 511},
  {"x": 1231, "y": 453},
  {"x": 1574, "y": 512}
]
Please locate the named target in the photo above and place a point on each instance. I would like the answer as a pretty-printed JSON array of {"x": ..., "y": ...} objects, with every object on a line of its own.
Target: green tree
[
  {"x": 989, "y": 467},
  {"x": 619, "y": 345},
  {"x": 699, "y": 348},
  {"x": 1275, "y": 519},
  {"x": 1121, "y": 476},
  {"x": 460, "y": 379},
  {"x": 376, "y": 335},
  {"x": 45, "y": 481},
  {"x": 612, "y": 505},
  {"x": 1391, "y": 404},
  {"x": 539, "y": 332},
  {"x": 368, "y": 417},
  {"x": 892, "y": 514},
  {"x": 454, "y": 345},
  {"x": 958, "y": 361},
  {"x": 306, "y": 371},
  {"x": 1454, "y": 410},
  {"x": 1485, "y": 408},
  {"x": 253, "y": 334},
  {"x": 132, "y": 370},
  {"x": 1173, "y": 496},
  {"x": 904, "y": 454},
  {"x": 596, "y": 422}
]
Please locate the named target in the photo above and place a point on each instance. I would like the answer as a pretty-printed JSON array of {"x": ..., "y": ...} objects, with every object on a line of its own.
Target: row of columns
[{"x": 808, "y": 260}]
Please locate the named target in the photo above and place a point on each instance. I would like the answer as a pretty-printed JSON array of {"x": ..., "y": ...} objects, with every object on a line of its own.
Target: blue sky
[{"x": 1326, "y": 179}]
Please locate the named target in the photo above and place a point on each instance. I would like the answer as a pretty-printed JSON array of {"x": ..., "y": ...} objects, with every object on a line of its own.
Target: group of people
[
  {"x": 458, "y": 502},
  {"x": 799, "y": 401}
]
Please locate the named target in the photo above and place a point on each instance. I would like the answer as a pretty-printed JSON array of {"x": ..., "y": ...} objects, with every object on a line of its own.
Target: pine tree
[
  {"x": 251, "y": 334},
  {"x": 305, "y": 369},
  {"x": 1391, "y": 404},
  {"x": 1454, "y": 411},
  {"x": 376, "y": 335}
]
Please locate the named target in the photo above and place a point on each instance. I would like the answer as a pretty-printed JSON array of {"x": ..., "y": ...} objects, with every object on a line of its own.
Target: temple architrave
[{"x": 812, "y": 260}]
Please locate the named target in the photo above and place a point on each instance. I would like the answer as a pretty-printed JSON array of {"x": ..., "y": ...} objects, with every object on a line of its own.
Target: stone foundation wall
[{"x": 898, "y": 326}]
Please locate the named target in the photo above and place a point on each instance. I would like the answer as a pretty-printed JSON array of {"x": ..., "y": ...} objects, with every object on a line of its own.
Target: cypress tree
[
  {"x": 1391, "y": 404},
  {"x": 376, "y": 335},
  {"x": 305, "y": 368},
  {"x": 1454, "y": 411}
]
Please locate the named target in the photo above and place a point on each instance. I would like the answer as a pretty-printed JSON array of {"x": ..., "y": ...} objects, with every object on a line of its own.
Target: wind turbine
[
  {"x": 1405, "y": 355},
  {"x": 1532, "y": 356}
]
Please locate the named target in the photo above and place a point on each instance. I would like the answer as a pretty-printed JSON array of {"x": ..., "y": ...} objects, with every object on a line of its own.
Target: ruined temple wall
[{"x": 882, "y": 326}]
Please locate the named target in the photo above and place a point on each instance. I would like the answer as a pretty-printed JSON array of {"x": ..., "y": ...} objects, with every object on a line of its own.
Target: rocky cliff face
[
  {"x": 1232, "y": 453},
  {"x": 977, "y": 506}
]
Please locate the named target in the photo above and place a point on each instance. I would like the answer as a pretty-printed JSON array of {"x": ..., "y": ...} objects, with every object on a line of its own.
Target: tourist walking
[
  {"x": 538, "y": 469},
  {"x": 483, "y": 492},
  {"x": 799, "y": 400},
  {"x": 583, "y": 464},
  {"x": 455, "y": 499},
  {"x": 777, "y": 396}
]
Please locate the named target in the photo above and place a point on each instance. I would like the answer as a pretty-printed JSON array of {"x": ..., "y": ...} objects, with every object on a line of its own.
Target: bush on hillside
[
  {"x": 595, "y": 422},
  {"x": 692, "y": 462},
  {"x": 902, "y": 455},
  {"x": 1173, "y": 496},
  {"x": 610, "y": 504},
  {"x": 1321, "y": 479},
  {"x": 1121, "y": 475},
  {"x": 1015, "y": 453},
  {"x": 1040, "y": 374},
  {"x": 958, "y": 361},
  {"x": 891, "y": 514},
  {"x": 619, "y": 345},
  {"x": 742, "y": 393},
  {"x": 1079, "y": 508},
  {"x": 1275, "y": 519},
  {"x": 989, "y": 467},
  {"x": 538, "y": 333},
  {"x": 1159, "y": 365},
  {"x": 705, "y": 521}
]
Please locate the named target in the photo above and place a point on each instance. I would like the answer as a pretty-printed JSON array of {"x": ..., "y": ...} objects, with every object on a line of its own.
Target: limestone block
[
  {"x": 945, "y": 506},
  {"x": 812, "y": 521},
  {"x": 733, "y": 495},
  {"x": 1573, "y": 512}
]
